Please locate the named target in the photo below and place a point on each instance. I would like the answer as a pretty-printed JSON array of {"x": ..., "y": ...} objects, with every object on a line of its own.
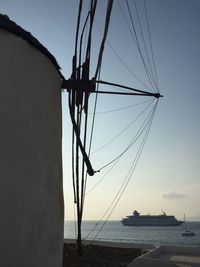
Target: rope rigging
[
  {"x": 118, "y": 158},
  {"x": 120, "y": 109},
  {"x": 122, "y": 61},
  {"x": 138, "y": 43},
  {"x": 126, "y": 180},
  {"x": 123, "y": 130},
  {"x": 151, "y": 73},
  {"x": 79, "y": 87},
  {"x": 131, "y": 143},
  {"x": 148, "y": 67},
  {"x": 151, "y": 46}
]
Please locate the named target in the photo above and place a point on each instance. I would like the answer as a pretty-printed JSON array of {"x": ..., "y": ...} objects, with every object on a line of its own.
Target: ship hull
[{"x": 132, "y": 223}]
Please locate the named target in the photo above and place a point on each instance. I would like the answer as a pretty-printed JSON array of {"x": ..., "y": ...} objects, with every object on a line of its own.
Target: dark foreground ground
[{"x": 99, "y": 256}]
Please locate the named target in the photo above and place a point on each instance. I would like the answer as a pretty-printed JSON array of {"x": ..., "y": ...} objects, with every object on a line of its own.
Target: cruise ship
[{"x": 150, "y": 220}]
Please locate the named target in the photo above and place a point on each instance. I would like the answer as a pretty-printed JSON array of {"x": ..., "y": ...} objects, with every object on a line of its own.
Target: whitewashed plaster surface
[{"x": 31, "y": 193}]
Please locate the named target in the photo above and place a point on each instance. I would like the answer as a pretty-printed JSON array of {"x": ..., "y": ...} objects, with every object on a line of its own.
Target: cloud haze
[{"x": 173, "y": 195}]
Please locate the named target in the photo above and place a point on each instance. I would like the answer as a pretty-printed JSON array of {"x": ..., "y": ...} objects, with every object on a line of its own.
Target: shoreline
[
  {"x": 119, "y": 254},
  {"x": 111, "y": 244},
  {"x": 102, "y": 253}
]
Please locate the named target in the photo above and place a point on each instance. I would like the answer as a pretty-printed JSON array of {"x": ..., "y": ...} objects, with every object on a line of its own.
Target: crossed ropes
[{"x": 82, "y": 84}]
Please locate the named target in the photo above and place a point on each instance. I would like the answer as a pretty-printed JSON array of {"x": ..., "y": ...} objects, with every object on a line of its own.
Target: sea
[{"x": 114, "y": 231}]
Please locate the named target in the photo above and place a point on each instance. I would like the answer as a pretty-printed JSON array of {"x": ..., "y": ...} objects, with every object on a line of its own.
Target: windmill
[{"x": 80, "y": 86}]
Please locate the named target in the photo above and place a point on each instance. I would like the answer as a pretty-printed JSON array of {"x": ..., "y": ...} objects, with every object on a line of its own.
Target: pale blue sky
[{"x": 167, "y": 176}]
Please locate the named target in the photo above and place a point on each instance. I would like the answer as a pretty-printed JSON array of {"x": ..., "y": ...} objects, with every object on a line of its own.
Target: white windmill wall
[{"x": 31, "y": 197}]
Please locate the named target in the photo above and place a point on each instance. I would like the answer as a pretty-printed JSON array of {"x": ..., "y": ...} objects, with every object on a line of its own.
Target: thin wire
[
  {"x": 151, "y": 74},
  {"x": 133, "y": 36},
  {"x": 126, "y": 128},
  {"x": 125, "y": 18},
  {"x": 138, "y": 134},
  {"x": 91, "y": 136},
  {"x": 104, "y": 176},
  {"x": 121, "y": 109},
  {"x": 122, "y": 62},
  {"x": 138, "y": 45},
  {"x": 126, "y": 180},
  {"x": 150, "y": 40}
]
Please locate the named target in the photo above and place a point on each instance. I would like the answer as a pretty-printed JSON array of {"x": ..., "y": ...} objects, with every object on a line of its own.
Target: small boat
[
  {"x": 185, "y": 231},
  {"x": 188, "y": 233}
]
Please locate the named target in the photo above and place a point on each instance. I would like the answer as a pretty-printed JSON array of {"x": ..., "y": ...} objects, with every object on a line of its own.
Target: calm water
[{"x": 114, "y": 231}]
